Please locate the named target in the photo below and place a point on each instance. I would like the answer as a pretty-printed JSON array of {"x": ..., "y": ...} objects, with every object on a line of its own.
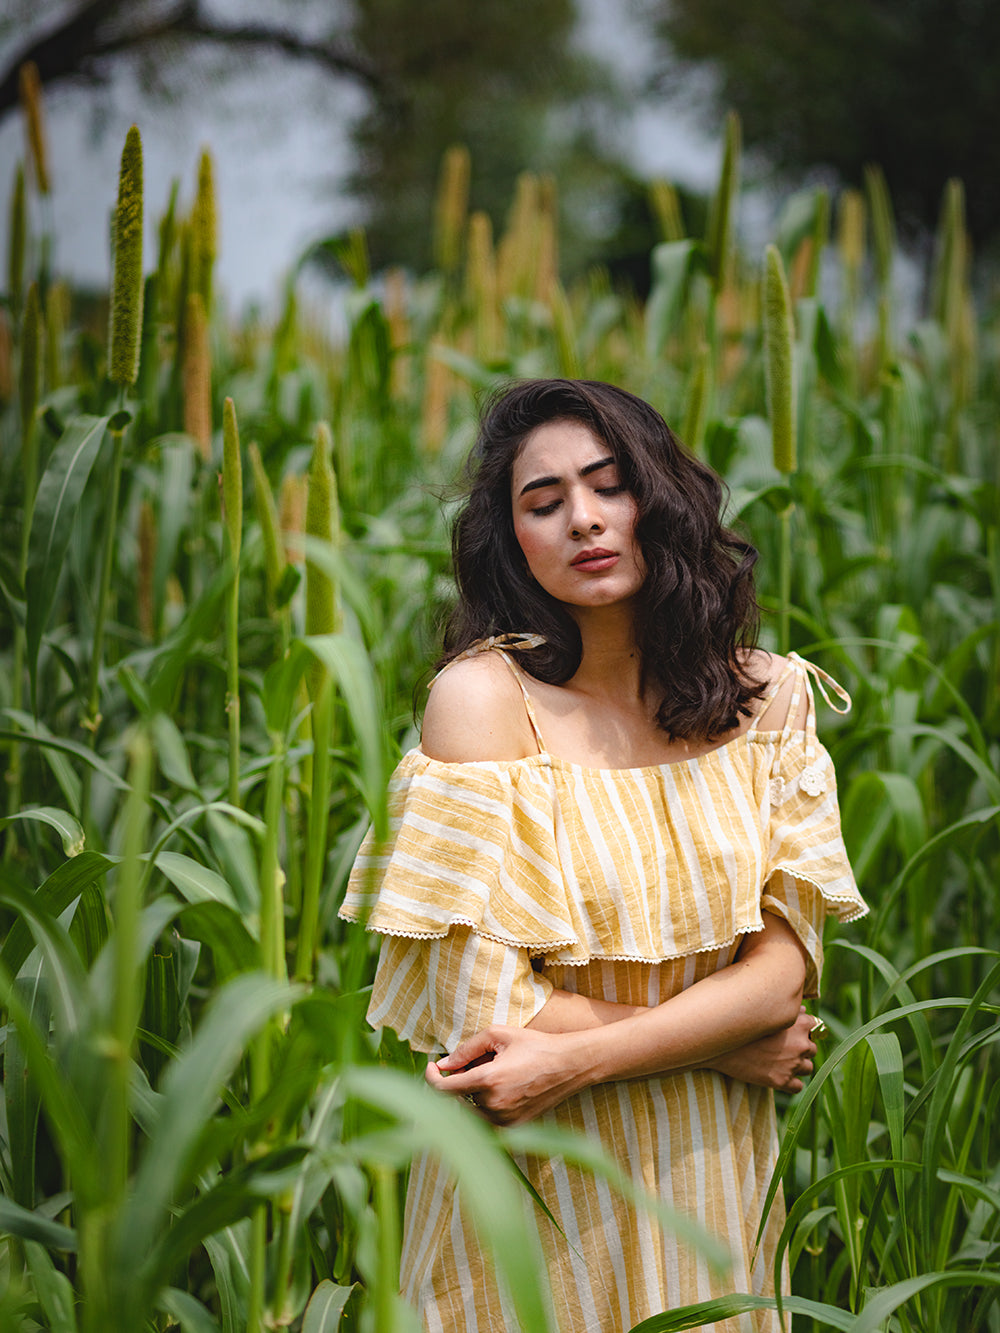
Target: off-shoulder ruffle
[
  {"x": 804, "y": 834},
  {"x": 573, "y": 864}
]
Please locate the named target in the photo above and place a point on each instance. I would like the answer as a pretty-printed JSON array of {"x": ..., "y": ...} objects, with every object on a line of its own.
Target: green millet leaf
[
  {"x": 779, "y": 337},
  {"x": 31, "y": 359},
  {"x": 57, "y": 310},
  {"x": 820, "y": 236},
  {"x": 232, "y": 479},
  {"x": 126, "y": 291},
  {"x": 167, "y": 236},
  {"x": 323, "y": 521},
  {"x": 722, "y": 214},
  {"x": 883, "y": 226},
  {"x": 948, "y": 286},
  {"x": 275, "y": 562},
  {"x": 698, "y": 394}
]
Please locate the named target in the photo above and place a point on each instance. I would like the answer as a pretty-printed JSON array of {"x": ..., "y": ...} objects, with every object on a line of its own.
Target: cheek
[{"x": 531, "y": 542}]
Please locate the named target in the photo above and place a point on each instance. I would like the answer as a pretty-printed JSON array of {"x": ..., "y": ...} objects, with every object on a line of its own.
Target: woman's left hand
[
  {"x": 511, "y": 1074},
  {"x": 779, "y": 1061}
]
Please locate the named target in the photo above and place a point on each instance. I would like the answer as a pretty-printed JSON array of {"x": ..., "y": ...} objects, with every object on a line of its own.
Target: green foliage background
[
  {"x": 220, "y": 590},
  {"x": 836, "y": 87}
]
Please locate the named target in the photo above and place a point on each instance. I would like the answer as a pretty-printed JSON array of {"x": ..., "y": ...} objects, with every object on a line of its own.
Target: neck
[{"x": 610, "y": 661}]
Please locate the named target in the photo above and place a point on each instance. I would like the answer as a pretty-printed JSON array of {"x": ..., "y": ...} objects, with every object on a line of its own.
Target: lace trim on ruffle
[
  {"x": 551, "y": 951},
  {"x": 855, "y": 900}
]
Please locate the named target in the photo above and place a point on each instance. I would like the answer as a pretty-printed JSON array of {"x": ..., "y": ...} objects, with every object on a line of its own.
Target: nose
[{"x": 585, "y": 513}]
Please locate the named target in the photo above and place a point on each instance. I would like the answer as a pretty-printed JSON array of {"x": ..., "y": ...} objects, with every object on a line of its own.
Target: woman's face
[{"x": 573, "y": 519}]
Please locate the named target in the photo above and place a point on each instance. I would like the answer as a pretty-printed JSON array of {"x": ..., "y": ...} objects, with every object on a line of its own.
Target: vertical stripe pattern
[{"x": 501, "y": 881}]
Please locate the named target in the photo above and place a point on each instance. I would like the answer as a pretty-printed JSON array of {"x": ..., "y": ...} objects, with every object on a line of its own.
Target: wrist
[{"x": 588, "y": 1057}]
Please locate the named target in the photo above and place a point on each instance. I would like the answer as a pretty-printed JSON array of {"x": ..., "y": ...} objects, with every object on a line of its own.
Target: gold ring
[{"x": 818, "y": 1028}]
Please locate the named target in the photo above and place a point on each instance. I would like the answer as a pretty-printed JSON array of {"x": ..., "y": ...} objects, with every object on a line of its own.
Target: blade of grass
[
  {"x": 326, "y": 1306},
  {"x": 18, "y": 1221},
  {"x": 728, "y": 1307},
  {"x": 53, "y": 1288},
  {"x": 68, "y": 828},
  {"x": 878, "y": 1309},
  {"x": 56, "y": 502},
  {"x": 488, "y": 1188},
  {"x": 190, "y": 1092}
]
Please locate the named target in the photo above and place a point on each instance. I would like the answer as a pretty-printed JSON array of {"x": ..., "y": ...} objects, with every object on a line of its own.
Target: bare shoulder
[
  {"x": 476, "y": 712},
  {"x": 775, "y": 670}
]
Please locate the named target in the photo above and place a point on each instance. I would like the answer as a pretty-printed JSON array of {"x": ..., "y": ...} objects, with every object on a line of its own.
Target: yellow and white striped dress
[{"x": 503, "y": 880}]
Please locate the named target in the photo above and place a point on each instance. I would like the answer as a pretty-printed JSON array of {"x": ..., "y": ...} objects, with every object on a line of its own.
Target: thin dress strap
[
  {"x": 812, "y": 778},
  {"x": 529, "y": 707},
  {"x": 503, "y": 644},
  {"x": 771, "y": 695},
  {"x": 802, "y": 670}
]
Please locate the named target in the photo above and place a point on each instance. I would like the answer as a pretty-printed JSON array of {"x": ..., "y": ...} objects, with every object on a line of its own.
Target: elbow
[
  {"x": 788, "y": 1011},
  {"x": 779, "y": 1012},
  {"x": 782, "y": 997},
  {"x": 779, "y": 964},
  {"x": 788, "y": 997}
]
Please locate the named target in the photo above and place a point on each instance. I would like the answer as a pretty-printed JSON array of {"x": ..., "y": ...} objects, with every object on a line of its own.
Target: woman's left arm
[{"x": 533, "y": 1069}]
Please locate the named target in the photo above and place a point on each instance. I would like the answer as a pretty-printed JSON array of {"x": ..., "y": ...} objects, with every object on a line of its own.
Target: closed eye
[{"x": 541, "y": 511}]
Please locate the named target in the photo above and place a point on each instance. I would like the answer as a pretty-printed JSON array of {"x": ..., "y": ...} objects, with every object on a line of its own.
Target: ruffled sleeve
[
  {"x": 807, "y": 874},
  {"x": 466, "y": 891},
  {"x": 470, "y": 844},
  {"x": 435, "y": 993}
]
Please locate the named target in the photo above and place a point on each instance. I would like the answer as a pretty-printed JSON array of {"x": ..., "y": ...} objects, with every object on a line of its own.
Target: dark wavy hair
[{"x": 697, "y": 614}]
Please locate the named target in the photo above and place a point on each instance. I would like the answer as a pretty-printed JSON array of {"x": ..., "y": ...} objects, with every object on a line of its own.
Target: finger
[
  {"x": 473, "y": 1048},
  {"x": 465, "y": 1083},
  {"x": 449, "y": 1086},
  {"x": 436, "y": 1079}
]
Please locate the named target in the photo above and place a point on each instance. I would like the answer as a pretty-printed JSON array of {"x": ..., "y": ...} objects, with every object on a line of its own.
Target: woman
[{"x": 611, "y": 859}]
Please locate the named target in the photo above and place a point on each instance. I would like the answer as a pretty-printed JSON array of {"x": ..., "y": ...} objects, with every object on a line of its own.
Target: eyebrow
[{"x": 539, "y": 482}]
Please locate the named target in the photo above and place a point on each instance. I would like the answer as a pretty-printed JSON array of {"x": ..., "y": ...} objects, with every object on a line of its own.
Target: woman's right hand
[
  {"x": 511, "y": 1074},
  {"x": 778, "y": 1061}
]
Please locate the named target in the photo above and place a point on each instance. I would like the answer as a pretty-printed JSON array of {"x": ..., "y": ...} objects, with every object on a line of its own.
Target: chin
[{"x": 612, "y": 601}]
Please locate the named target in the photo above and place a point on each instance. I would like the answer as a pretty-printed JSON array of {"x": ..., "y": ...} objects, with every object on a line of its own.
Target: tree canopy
[
  {"x": 82, "y": 42},
  {"x": 908, "y": 84},
  {"x": 483, "y": 75}
]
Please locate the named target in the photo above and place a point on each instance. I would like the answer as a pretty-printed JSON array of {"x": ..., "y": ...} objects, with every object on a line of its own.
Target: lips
[{"x": 597, "y": 558}]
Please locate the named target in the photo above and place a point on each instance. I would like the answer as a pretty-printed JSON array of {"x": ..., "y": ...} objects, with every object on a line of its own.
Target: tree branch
[{"x": 101, "y": 31}]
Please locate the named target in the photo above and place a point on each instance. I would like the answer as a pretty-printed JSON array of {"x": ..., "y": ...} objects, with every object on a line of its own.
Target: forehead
[{"x": 557, "y": 449}]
